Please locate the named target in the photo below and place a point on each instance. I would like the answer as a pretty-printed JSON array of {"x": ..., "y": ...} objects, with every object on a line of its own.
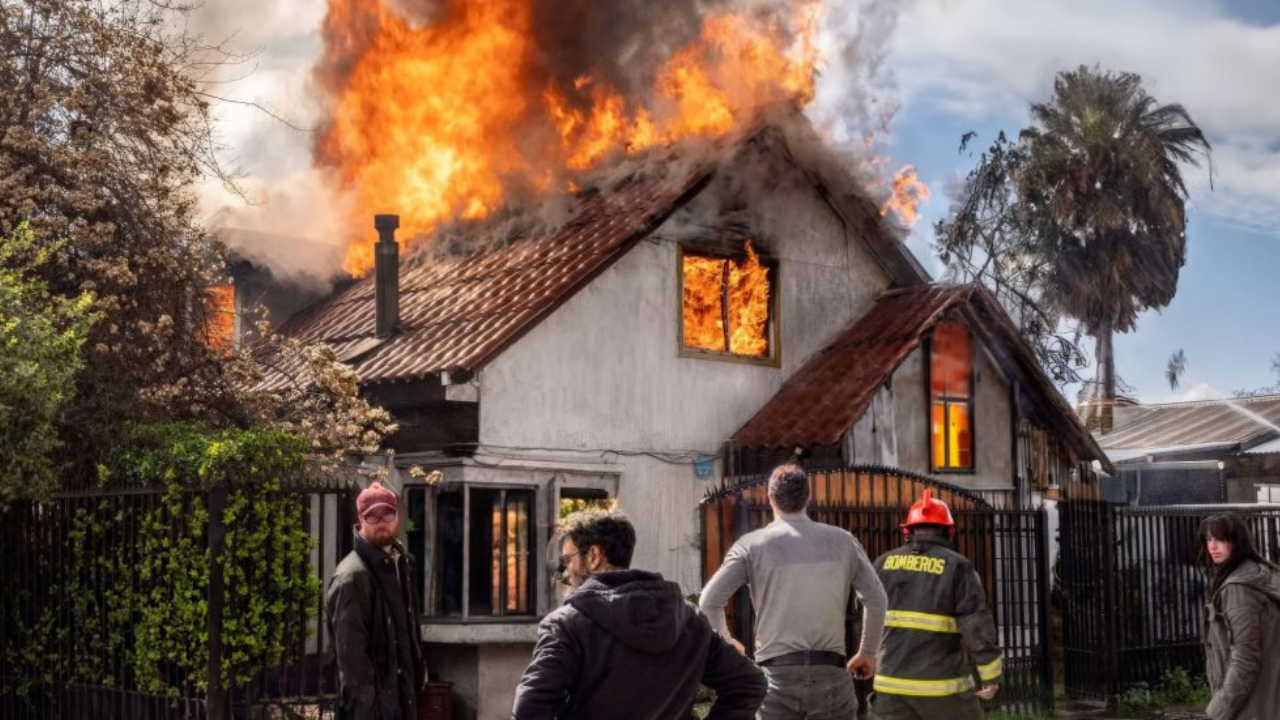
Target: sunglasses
[{"x": 379, "y": 519}]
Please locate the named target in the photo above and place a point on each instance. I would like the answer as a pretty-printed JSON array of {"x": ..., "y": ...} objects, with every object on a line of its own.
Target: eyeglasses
[
  {"x": 563, "y": 565},
  {"x": 378, "y": 520}
]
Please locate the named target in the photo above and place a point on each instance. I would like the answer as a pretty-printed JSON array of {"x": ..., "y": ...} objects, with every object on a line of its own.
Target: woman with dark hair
[{"x": 1242, "y": 622}]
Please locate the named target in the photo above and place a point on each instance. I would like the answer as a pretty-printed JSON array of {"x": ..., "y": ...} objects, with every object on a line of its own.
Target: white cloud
[{"x": 987, "y": 59}]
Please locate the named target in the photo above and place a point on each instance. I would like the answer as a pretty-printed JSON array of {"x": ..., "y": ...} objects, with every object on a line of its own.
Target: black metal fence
[
  {"x": 67, "y": 638},
  {"x": 1008, "y": 548},
  {"x": 1131, "y": 591}
]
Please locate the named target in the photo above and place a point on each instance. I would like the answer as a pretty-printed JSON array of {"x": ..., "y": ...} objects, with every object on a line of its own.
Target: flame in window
[
  {"x": 725, "y": 307},
  {"x": 220, "y": 316}
]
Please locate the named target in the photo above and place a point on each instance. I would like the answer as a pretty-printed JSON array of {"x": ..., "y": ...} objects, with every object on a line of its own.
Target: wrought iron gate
[{"x": 1009, "y": 549}]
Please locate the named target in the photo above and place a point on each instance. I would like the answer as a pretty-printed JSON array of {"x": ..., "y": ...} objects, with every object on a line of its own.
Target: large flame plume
[{"x": 447, "y": 118}]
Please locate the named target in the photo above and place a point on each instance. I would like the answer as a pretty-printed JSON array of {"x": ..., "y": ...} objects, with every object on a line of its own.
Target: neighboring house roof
[
  {"x": 457, "y": 314},
  {"x": 1179, "y": 426},
  {"x": 1270, "y": 447},
  {"x": 823, "y": 399}
]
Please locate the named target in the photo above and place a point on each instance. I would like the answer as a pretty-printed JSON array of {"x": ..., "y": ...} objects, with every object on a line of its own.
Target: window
[
  {"x": 1268, "y": 493},
  {"x": 486, "y": 552},
  {"x": 220, "y": 317},
  {"x": 727, "y": 307},
  {"x": 951, "y": 397}
]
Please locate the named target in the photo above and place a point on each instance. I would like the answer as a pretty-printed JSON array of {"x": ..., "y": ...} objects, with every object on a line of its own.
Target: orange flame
[
  {"x": 908, "y": 192},
  {"x": 441, "y": 121},
  {"x": 220, "y": 316},
  {"x": 711, "y": 282}
]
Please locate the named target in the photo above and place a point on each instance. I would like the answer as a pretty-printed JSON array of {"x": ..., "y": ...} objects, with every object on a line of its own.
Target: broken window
[
  {"x": 951, "y": 395},
  {"x": 486, "y": 552},
  {"x": 727, "y": 305}
]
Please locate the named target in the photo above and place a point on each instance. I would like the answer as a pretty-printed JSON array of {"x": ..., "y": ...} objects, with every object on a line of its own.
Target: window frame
[
  {"x": 536, "y": 564},
  {"x": 774, "y": 326},
  {"x": 948, "y": 401}
]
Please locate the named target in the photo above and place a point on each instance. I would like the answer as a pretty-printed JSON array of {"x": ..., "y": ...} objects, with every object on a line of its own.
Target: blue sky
[
  {"x": 976, "y": 65},
  {"x": 947, "y": 66}
]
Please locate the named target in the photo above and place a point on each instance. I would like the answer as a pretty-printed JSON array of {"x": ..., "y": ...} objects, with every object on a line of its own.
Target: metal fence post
[
  {"x": 1111, "y": 659},
  {"x": 1044, "y": 589},
  {"x": 216, "y": 695}
]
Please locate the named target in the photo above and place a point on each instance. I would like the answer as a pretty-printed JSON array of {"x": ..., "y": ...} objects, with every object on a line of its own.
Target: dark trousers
[
  {"x": 808, "y": 692},
  {"x": 964, "y": 706}
]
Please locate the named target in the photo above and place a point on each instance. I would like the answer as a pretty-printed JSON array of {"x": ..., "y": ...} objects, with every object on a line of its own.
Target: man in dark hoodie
[{"x": 626, "y": 644}]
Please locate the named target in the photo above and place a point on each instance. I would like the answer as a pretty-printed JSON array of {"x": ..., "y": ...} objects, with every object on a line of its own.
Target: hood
[
  {"x": 1258, "y": 576},
  {"x": 639, "y": 608}
]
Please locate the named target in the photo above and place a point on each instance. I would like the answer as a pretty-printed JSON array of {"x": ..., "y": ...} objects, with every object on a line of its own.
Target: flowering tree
[{"x": 104, "y": 129}]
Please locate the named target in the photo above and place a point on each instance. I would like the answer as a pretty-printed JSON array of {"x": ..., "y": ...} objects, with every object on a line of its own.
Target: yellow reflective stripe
[
  {"x": 921, "y": 621},
  {"x": 922, "y": 688},
  {"x": 991, "y": 670}
]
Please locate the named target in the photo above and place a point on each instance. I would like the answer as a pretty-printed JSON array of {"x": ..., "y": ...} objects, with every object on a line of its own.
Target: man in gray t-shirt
[{"x": 800, "y": 574}]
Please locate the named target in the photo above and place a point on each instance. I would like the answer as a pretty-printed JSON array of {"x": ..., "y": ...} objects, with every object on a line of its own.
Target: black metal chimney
[{"x": 386, "y": 275}]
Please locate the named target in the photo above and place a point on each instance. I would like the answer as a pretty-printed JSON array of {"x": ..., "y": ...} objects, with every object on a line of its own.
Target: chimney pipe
[{"x": 386, "y": 275}]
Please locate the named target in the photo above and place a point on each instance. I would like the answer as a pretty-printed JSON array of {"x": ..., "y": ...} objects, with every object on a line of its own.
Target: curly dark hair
[
  {"x": 608, "y": 530},
  {"x": 789, "y": 487}
]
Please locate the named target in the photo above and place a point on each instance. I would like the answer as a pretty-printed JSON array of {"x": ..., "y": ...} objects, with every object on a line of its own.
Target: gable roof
[
  {"x": 457, "y": 314},
  {"x": 826, "y": 397},
  {"x": 1169, "y": 427}
]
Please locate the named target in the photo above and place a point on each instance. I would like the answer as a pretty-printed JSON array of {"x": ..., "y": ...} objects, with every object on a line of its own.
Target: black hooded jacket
[{"x": 627, "y": 645}]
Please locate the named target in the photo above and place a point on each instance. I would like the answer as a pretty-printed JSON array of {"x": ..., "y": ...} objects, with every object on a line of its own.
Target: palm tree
[{"x": 1101, "y": 176}]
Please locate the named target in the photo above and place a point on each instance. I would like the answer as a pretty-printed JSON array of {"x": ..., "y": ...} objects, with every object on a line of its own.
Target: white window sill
[{"x": 478, "y": 631}]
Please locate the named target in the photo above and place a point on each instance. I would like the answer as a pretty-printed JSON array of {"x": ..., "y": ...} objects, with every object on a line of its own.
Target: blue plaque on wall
[{"x": 702, "y": 466}]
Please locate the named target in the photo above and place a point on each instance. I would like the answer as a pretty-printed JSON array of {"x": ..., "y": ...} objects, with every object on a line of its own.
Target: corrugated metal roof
[
  {"x": 1271, "y": 447},
  {"x": 825, "y": 397},
  {"x": 1173, "y": 425},
  {"x": 830, "y": 392},
  {"x": 457, "y": 314}
]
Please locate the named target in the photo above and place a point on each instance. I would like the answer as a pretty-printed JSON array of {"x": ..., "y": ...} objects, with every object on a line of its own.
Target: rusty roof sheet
[
  {"x": 824, "y": 398},
  {"x": 459, "y": 313},
  {"x": 829, "y": 394},
  {"x": 1173, "y": 425}
]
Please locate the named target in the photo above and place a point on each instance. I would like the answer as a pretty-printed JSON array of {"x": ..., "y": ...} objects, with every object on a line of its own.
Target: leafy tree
[
  {"x": 40, "y": 339},
  {"x": 1087, "y": 207},
  {"x": 105, "y": 126}
]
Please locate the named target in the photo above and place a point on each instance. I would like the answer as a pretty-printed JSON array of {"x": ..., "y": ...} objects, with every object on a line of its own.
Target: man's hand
[
  {"x": 737, "y": 645},
  {"x": 862, "y": 667},
  {"x": 988, "y": 691}
]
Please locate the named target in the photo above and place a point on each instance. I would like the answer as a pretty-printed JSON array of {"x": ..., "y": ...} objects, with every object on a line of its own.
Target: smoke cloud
[{"x": 306, "y": 52}]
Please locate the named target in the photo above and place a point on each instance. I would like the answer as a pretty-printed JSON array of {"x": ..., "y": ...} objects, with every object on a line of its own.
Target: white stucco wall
[{"x": 602, "y": 377}]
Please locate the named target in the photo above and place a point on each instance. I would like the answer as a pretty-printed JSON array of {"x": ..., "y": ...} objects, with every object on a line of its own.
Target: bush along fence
[
  {"x": 187, "y": 584},
  {"x": 1132, "y": 594}
]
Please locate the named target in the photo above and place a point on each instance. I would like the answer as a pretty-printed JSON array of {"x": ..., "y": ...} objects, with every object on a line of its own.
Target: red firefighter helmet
[{"x": 928, "y": 511}]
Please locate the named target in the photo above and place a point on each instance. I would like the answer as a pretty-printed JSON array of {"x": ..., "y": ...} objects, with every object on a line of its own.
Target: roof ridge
[{"x": 1211, "y": 401}]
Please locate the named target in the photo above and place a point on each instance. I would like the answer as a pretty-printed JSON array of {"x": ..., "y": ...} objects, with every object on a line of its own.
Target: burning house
[
  {"x": 681, "y": 325},
  {"x": 616, "y": 264}
]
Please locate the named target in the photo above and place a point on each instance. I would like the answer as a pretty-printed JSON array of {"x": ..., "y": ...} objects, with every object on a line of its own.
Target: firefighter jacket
[{"x": 938, "y": 632}]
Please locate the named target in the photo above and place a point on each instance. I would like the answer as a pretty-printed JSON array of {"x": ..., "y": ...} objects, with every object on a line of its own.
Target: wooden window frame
[
  {"x": 948, "y": 401},
  {"x": 774, "y": 358}
]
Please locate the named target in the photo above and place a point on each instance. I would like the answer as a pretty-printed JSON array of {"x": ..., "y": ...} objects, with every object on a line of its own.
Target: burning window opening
[
  {"x": 951, "y": 393},
  {"x": 727, "y": 305},
  {"x": 220, "y": 316}
]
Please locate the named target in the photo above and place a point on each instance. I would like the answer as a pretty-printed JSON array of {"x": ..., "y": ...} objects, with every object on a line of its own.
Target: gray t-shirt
[{"x": 800, "y": 574}]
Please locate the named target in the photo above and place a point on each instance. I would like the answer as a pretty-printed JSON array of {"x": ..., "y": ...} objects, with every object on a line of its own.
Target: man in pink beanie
[{"x": 373, "y": 617}]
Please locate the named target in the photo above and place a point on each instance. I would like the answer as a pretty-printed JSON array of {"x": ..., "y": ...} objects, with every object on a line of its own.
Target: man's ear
[{"x": 595, "y": 557}]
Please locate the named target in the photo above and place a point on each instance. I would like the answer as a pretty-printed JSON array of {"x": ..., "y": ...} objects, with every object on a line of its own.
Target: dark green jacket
[
  {"x": 373, "y": 619},
  {"x": 938, "y": 632},
  {"x": 1242, "y": 645}
]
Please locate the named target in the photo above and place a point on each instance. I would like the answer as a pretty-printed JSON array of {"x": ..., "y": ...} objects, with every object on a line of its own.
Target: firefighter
[{"x": 939, "y": 634}]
